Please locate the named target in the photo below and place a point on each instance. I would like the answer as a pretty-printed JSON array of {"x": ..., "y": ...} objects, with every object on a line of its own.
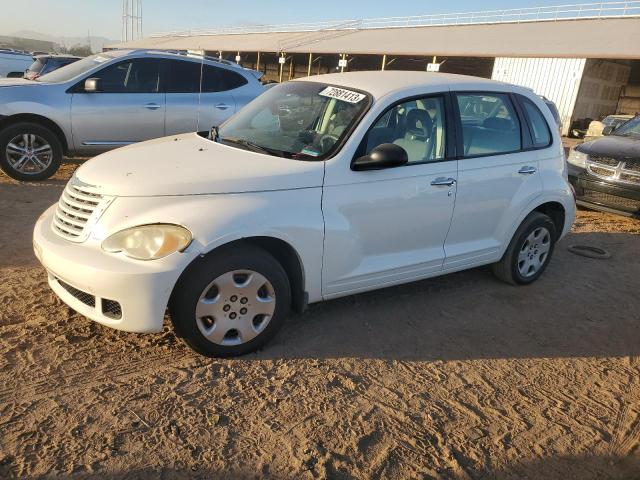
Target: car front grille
[
  {"x": 602, "y": 198},
  {"x": 611, "y": 169},
  {"x": 84, "y": 297},
  {"x": 78, "y": 209}
]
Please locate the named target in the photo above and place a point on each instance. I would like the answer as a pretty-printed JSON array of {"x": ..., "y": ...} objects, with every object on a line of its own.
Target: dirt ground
[{"x": 458, "y": 377}]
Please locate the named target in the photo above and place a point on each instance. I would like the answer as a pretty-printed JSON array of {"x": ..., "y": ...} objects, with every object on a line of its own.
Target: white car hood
[{"x": 189, "y": 164}]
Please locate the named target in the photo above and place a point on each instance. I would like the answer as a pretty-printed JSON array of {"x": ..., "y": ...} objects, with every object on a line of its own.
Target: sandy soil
[{"x": 459, "y": 377}]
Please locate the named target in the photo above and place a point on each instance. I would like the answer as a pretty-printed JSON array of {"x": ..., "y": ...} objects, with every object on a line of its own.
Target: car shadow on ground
[
  {"x": 585, "y": 467},
  {"x": 580, "y": 307}
]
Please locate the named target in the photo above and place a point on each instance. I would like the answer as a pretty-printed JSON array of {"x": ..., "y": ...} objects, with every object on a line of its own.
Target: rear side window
[
  {"x": 220, "y": 80},
  {"x": 36, "y": 66},
  {"x": 540, "y": 133},
  {"x": 490, "y": 125}
]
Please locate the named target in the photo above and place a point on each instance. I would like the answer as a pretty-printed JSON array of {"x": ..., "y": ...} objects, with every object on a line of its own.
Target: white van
[{"x": 320, "y": 188}]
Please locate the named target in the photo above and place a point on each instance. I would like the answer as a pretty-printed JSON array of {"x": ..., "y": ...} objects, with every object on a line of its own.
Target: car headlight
[
  {"x": 148, "y": 242},
  {"x": 577, "y": 158}
]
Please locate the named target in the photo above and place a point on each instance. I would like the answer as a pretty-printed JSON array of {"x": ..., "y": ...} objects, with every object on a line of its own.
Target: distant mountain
[{"x": 96, "y": 42}]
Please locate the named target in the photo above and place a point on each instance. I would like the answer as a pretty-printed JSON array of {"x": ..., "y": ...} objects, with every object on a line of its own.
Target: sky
[{"x": 103, "y": 17}]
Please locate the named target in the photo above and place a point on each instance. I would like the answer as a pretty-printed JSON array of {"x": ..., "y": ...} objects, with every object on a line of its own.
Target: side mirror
[
  {"x": 92, "y": 85},
  {"x": 608, "y": 130},
  {"x": 386, "y": 155}
]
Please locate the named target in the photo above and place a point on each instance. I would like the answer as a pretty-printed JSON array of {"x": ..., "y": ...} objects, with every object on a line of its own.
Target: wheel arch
[
  {"x": 555, "y": 211},
  {"x": 281, "y": 250},
  {"x": 39, "y": 119}
]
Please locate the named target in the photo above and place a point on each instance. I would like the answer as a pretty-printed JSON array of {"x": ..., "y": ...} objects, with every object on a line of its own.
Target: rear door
[
  {"x": 497, "y": 176},
  {"x": 128, "y": 108},
  {"x": 193, "y": 102}
]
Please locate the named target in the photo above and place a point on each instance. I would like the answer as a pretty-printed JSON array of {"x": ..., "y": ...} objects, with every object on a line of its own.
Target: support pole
[
  {"x": 384, "y": 61},
  {"x": 310, "y": 62},
  {"x": 291, "y": 68},
  {"x": 258, "y": 62},
  {"x": 343, "y": 57},
  {"x": 281, "y": 65}
]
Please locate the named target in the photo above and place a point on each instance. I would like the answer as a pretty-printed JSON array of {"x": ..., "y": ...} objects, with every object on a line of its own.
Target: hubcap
[
  {"x": 235, "y": 308},
  {"x": 534, "y": 252},
  {"x": 29, "y": 153}
]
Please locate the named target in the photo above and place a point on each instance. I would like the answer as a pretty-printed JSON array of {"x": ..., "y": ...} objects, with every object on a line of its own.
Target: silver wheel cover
[
  {"x": 235, "y": 307},
  {"x": 534, "y": 252}
]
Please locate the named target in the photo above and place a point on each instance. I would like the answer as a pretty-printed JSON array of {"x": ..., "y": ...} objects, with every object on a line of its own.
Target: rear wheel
[
  {"x": 529, "y": 252},
  {"x": 29, "y": 151},
  {"x": 231, "y": 303}
]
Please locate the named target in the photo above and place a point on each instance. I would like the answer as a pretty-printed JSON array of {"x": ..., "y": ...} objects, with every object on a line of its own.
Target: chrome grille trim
[
  {"x": 79, "y": 208},
  {"x": 611, "y": 169}
]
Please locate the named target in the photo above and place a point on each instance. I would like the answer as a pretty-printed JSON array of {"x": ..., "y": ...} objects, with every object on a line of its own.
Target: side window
[
  {"x": 140, "y": 75},
  {"x": 418, "y": 126},
  {"x": 184, "y": 77},
  {"x": 490, "y": 124},
  {"x": 539, "y": 127},
  {"x": 220, "y": 80}
]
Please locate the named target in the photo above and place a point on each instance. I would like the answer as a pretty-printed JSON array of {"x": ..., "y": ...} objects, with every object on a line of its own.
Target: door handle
[
  {"x": 443, "y": 182},
  {"x": 152, "y": 106},
  {"x": 527, "y": 170},
  {"x": 222, "y": 106}
]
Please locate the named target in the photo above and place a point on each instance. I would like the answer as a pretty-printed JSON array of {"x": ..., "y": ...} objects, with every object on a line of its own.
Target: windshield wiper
[{"x": 249, "y": 145}]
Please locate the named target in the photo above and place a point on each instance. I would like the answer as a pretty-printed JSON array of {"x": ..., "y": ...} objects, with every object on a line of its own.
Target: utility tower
[{"x": 131, "y": 20}]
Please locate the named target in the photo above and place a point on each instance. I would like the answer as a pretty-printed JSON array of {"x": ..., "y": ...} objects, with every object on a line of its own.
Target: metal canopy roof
[
  {"x": 594, "y": 30},
  {"x": 605, "y": 38}
]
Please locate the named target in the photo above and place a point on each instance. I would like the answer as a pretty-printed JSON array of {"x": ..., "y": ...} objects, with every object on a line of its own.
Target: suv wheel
[
  {"x": 29, "y": 151},
  {"x": 231, "y": 303},
  {"x": 529, "y": 252}
]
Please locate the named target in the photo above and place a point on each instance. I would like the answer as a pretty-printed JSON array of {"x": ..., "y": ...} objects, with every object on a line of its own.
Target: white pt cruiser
[{"x": 319, "y": 188}]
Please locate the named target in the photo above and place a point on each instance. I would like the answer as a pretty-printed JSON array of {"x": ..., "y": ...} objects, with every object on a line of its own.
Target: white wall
[
  {"x": 558, "y": 79},
  {"x": 599, "y": 92}
]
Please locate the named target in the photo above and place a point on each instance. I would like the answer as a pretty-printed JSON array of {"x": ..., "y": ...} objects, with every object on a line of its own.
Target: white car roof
[{"x": 382, "y": 83}]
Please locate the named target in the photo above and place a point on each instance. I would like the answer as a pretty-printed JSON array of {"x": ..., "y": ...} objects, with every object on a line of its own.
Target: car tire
[
  {"x": 28, "y": 137},
  {"x": 221, "y": 303},
  {"x": 529, "y": 251}
]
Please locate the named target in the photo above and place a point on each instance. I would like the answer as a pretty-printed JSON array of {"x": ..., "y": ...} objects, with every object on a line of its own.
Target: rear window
[{"x": 540, "y": 133}]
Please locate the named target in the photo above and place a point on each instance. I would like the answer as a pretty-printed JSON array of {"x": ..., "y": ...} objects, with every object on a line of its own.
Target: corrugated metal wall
[{"x": 558, "y": 79}]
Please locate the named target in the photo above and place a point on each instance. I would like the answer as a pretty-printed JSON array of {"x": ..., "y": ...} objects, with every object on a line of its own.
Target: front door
[
  {"x": 128, "y": 107},
  {"x": 389, "y": 226}
]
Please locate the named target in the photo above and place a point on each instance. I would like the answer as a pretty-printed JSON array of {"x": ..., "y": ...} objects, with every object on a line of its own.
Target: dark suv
[
  {"x": 606, "y": 172},
  {"x": 48, "y": 63}
]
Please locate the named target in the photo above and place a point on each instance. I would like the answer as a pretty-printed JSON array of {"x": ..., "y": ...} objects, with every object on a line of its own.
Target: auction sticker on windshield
[{"x": 342, "y": 94}]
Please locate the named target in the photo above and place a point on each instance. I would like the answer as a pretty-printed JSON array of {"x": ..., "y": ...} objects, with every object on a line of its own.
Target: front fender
[{"x": 293, "y": 216}]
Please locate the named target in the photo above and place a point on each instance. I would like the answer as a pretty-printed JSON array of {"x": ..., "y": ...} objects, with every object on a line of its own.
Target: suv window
[
  {"x": 418, "y": 126},
  {"x": 140, "y": 75},
  {"x": 539, "y": 128},
  {"x": 184, "y": 77},
  {"x": 490, "y": 124}
]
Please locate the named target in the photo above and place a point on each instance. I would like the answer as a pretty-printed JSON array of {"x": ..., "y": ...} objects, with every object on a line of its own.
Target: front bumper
[
  {"x": 110, "y": 289},
  {"x": 599, "y": 194}
]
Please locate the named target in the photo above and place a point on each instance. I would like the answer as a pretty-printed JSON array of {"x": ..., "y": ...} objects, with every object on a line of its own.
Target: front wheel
[
  {"x": 29, "y": 151},
  {"x": 231, "y": 303},
  {"x": 529, "y": 252}
]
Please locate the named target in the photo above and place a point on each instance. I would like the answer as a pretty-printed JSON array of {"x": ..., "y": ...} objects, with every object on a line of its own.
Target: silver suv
[{"x": 112, "y": 99}]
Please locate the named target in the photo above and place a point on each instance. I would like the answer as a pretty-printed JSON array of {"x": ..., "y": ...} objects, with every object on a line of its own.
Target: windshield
[
  {"x": 302, "y": 120},
  {"x": 75, "y": 69},
  {"x": 629, "y": 129}
]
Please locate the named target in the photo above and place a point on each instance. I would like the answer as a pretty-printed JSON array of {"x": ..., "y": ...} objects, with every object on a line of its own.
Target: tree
[{"x": 80, "y": 50}]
